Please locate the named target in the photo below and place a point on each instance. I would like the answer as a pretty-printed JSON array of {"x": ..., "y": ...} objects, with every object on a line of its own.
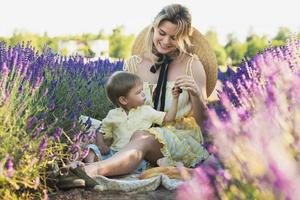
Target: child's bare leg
[{"x": 126, "y": 160}]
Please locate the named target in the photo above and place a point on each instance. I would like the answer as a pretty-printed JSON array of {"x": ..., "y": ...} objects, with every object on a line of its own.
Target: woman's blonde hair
[
  {"x": 119, "y": 84},
  {"x": 176, "y": 14}
]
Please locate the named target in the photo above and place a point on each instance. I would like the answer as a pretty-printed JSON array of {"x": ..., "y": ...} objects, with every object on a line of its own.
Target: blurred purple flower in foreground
[{"x": 255, "y": 130}]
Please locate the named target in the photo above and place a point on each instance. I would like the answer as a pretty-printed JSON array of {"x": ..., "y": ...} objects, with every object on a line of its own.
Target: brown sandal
[
  {"x": 70, "y": 181},
  {"x": 89, "y": 181}
]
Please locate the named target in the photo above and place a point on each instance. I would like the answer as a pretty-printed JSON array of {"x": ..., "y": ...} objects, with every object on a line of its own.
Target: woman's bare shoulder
[
  {"x": 198, "y": 71},
  {"x": 183, "y": 59},
  {"x": 137, "y": 63}
]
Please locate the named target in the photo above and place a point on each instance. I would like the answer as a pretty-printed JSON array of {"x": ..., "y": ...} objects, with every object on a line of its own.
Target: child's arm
[
  {"x": 171, "y": 114},
  {"x": 104, "y": 149}
]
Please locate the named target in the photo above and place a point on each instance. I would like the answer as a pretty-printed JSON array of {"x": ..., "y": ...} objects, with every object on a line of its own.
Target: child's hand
[
  {"x": 104, "y": 149},
  {"x": 176, "y": 92}
]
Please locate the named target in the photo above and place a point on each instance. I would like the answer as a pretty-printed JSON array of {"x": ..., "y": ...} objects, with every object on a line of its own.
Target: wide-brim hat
[{"x": 201, "y": 48}]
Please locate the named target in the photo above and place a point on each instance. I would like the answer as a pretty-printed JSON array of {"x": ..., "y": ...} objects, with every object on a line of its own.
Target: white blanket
[{"x": 131, "y": 183}]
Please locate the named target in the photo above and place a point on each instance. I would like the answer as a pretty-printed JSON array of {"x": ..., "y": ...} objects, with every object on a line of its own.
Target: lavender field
[{"x": 253, "y": 130}]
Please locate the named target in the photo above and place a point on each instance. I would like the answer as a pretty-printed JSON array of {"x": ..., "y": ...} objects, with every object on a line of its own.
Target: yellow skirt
[{"x": 181, "y": 141}]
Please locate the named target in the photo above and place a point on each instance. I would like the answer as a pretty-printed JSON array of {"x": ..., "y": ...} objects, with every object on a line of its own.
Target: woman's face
[{"x": 164, "y": 38}]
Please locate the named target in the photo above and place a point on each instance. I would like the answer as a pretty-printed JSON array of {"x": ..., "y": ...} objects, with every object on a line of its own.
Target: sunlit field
[{"x": 253, "y": 130}]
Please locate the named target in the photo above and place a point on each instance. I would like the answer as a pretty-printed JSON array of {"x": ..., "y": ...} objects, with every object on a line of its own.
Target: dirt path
[{"x": 76, "y": 194}]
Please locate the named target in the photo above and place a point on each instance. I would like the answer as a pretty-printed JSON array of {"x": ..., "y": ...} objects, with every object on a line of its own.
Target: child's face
[{"x": 136, "y": 96}]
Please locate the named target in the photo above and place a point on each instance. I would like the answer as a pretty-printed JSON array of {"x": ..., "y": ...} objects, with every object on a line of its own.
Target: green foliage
[
  {"x": 87, "y": 52},
  {"x": 22, "y": 161},
  {"x": 283, "y": 34},
  {"x": 39, "y": 42},
  {"x": 280, "y": 39},
  {"x": 221, "y": 55},
  {"x": 64, "y": 52},
  {"x": 42, "y": 96},
  {"x": 235, "y": 50},
  {"x": 278, "y": 43},
  {"x": 120, "y": 44},
  {"x": 255, "y": 44}
]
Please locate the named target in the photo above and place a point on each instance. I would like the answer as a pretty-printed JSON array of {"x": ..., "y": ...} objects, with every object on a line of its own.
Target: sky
[{"x": 69, "y": 17}]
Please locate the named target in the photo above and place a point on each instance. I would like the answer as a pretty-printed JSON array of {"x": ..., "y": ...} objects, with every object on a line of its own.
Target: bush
[{"x": 42, "y": 97}]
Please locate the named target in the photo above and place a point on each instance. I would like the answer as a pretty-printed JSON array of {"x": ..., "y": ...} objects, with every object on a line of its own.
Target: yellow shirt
[{"x": 120, "y": 126}]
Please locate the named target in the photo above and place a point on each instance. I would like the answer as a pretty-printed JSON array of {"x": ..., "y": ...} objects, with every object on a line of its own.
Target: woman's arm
[
  {"x": 171, "y": 114},
  {"x": 196, "y": 86}
]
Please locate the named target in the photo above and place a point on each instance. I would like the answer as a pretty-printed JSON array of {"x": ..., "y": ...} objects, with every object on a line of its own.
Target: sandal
[
  {"x": 73, "y": 175},
  {"x": 65, "y": 170},
  {"x": 76, "y": 177},
  {"x": 89, "y": 181},
  {"x": 70, "y": 181}
]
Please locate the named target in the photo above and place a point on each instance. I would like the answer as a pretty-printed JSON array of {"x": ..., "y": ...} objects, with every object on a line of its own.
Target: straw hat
[{"x": 201, "y": 48}]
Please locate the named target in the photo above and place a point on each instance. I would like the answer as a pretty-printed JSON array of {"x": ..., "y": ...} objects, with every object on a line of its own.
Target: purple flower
[
  {"x": 280, "y": 182},
  {"x": 75, "y": 148},
  {"x": 261, "y": 102},
  {"x": 9, "y": 167},
  {"x": 31, "y": 122},
  {"x": 88, "y": 123},
  {"x": 73, "y": 125},
  {"x": 78, "y": 137},
  {"x": 212, "y": 149},
  {"x": 72, "y": 116},
  {"x": 5, "y": 97},
  {"x": 25, "y": 148},
  {"x": 58, "y": 132},
  {"x": 51, "y": 106},
  {"x": 5, "y": 70},
  {"x": 84, "y": 153},
  {"x": 88, "y": 103},
  {"x": 198, "y": 188},
  {"x": 42, "y": 147},
  {"x": 271, "y": 95}
]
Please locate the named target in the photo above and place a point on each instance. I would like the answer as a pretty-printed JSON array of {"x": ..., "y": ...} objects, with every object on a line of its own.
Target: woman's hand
[
  {"x": 198, "y": 96},
  {"x": 187, "y": 83},
  {"x": 176, "y": 92}
]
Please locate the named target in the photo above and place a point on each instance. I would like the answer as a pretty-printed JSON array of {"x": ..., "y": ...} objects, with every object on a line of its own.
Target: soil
[{"x": 78, "y": 193}]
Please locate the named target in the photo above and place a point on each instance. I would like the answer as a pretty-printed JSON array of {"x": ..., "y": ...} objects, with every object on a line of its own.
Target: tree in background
[
  {"x": 255, "y": 44},
  {"x": 235, "y": 49},
  {"x": 221, "y": 55},
  {"x": 38, "y": 41},
  {"x": 120, "y": 44},
  {"x": 282, "y": 35}
]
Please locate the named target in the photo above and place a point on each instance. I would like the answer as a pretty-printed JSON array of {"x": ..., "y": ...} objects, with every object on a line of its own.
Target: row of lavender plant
[
  {"x": 255, "y": 132},
  {"x": 41, "y": 97}
]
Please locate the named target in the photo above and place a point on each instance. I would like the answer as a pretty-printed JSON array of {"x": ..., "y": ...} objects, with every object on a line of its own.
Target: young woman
[{"x": 166, "y": 61}]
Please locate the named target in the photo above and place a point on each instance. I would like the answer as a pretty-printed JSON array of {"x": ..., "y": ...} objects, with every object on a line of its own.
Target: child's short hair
[{"x": 119, "y": 84}]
